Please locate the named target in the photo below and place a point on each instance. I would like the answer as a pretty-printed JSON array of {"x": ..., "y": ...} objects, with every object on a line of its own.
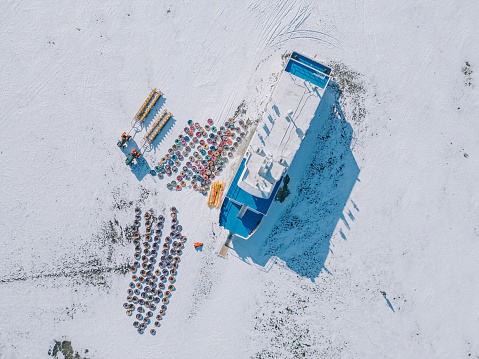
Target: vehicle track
[{"x": 281, "y": 26}]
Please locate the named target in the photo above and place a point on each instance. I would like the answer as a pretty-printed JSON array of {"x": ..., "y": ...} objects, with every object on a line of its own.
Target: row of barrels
[{"x": 154, "y": 269}]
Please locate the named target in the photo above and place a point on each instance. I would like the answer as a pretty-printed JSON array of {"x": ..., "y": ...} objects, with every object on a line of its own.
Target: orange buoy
[
  {"x": 171, "y": 279},
  {"x": 165, "y": 300},
  {"x": 167, "y": 294}
]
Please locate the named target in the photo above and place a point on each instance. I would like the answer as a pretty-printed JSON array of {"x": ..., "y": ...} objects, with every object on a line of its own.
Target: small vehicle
[
  {"x": 133, "y": 154},
  {"x": 124, "y": 139}
]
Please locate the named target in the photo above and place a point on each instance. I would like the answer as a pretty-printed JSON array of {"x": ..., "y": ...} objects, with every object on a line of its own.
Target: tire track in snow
[
  {"x": 293, "y": 31},
  {"x": 270, "y": 22},
  {"x": 282, "y": 26},
  {"x": 298, "y": 19},
  {"x": 276, "y": 22},
  {"x": 315, "y": 38}
]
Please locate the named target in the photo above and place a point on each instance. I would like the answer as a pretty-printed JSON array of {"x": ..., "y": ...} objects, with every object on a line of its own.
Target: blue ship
[{"x": 274, "y": 144}]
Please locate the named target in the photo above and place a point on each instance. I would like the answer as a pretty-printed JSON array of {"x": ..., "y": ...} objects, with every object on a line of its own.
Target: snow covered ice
[{"x": 374, "y": 252}]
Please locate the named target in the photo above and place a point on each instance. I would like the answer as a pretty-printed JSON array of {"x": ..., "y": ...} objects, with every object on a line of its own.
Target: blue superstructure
[{"x": 235, "y": 199}]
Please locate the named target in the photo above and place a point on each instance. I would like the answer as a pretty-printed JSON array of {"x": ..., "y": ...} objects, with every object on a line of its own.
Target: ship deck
[{"x": 289, "y": 113}]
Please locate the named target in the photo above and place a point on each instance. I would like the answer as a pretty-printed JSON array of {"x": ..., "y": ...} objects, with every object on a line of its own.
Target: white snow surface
[{"x": 383, "y": 191}]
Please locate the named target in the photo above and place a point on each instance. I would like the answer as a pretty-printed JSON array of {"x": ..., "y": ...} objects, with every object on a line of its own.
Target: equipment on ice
[
  {"x": 198, "y": 245},
  {"x": 124, "y": 139},
  {"x": 134, "y": 154}
]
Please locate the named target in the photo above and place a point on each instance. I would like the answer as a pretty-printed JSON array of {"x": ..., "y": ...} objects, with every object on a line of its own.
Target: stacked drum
[
  {"x": 154, "y": 269},
  {"x": 206, "y": 150}
]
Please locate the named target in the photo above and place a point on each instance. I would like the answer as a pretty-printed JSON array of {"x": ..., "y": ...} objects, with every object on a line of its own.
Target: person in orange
[
  {"x": 134, "y": 154},
  {"x": 124, "y": 138},
  {"x": 198, "y": 245}
]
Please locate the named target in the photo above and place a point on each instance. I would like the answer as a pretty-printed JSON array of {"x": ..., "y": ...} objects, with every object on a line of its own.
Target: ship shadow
[{"x": 297, "y": 232}]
